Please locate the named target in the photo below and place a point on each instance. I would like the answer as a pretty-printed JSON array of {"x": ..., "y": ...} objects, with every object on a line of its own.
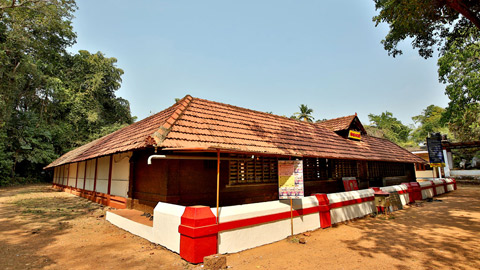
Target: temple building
[{"x": 177, "y": 155}]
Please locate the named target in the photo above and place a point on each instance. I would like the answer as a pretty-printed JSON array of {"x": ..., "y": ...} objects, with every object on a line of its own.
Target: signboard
[
  {"x": 350, "y": 183},
  {"x": 290, "y": 179},
  {"x": 356, "y": 135},
  {"x": 435, "y": 153}
]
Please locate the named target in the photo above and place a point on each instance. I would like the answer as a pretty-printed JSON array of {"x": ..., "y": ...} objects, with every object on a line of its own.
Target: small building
[{"x": 172, "y": 157}]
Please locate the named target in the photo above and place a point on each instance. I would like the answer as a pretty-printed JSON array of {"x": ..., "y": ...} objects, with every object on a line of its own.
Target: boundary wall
[{"x": 194, "y": 232}]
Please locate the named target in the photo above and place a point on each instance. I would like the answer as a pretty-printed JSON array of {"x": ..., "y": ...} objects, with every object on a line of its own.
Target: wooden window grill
[
  {"x": 343, "y": 168},
  {"x": 259, "y": 170},
  {"x": 379, "y": 169},
  {"x": 315, "y": 169}
]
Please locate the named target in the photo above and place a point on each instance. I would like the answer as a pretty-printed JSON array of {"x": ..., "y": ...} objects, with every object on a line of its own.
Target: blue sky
[{"x": 264, "y": 55}]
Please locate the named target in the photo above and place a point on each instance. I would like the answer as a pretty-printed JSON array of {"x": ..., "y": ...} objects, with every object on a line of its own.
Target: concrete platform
[{"x": 134, "y": 215}]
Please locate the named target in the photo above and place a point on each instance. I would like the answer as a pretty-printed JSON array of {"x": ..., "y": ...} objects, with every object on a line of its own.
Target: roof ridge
[
  {"x": 256, "y": 111},
  {"x": 159, "y": 136},
  {"x": 328, "y": 120}
]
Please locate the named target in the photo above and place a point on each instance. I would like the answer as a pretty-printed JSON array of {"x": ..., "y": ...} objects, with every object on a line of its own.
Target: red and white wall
[{"x": 194, "y": 233}]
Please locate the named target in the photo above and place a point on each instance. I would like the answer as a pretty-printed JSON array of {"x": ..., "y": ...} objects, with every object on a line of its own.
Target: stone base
[{"x": 215, "y": 262}]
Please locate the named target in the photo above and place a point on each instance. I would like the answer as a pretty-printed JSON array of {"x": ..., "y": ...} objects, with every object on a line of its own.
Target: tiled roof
[
  {"x": 134, "y": 136},
  {"x": 337, "y": 124},
  {"x": 199, "y": 123}
]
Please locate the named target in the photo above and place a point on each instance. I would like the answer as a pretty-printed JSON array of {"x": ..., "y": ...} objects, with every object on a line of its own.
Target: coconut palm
[{"x": 305, "y": 114}]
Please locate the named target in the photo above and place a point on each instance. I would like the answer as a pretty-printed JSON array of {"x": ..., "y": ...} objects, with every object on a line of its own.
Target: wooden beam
[
  {"x": 76, "y": 176},
  {"x": 110, "y": 175}
]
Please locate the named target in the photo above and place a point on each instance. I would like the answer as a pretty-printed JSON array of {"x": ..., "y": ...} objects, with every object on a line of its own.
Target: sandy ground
[{"x": 41, "y": 228}]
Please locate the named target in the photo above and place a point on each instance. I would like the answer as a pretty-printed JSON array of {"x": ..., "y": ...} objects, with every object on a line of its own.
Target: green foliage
[
  {"x": 428, "y": 23},
  {"x": 388, "y": 127},
  {"x": 305, "y": 114},
  {"x": 431, "y": 120},
  {"x": 459, "y": 68},
  {"x": 50, "y": 101}
]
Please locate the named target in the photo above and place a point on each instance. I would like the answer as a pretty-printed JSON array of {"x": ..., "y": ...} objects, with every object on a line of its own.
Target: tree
[
  {"x": 33, "y": 36},
  {"x": 305, "y": 114},
  {"x": 389, "y": 128},
  {"x": 87, "y": 97},
  {"x": 431, "y": 120},
  {"x": 429, "y": 23},
  {"x": 50, "y": 100},
  {"x": 459, "y": 68}
]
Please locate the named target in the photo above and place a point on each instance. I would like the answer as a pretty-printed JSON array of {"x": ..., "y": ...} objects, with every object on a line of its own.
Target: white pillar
[{"x": 448, "y": 162}]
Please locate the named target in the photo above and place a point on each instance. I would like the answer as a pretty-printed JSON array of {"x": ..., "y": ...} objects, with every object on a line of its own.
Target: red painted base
[{"x": 198, "y": 234}]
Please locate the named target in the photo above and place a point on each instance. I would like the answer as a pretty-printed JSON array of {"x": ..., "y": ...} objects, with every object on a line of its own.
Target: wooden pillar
[
  {"x": 131, "y": 179},
  {"x": 218, "y": 181},
  {"x": 109, "y": 179},
  {"x": 95, "y": 181},
  {"x": 110, "y": 175}
]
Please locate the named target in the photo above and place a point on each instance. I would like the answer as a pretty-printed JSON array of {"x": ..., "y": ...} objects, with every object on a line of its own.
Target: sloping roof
[
  {"x": 134, "y": 136},
  {"x": 199, "y": 123},
  {"x": 342, "y": 123},
  {"x": 337, "y": 124}
]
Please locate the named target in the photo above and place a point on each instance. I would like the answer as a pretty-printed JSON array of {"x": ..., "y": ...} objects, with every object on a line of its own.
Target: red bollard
[
  {"x": 410, "y": 192},
  {"x": 324, "y": 210},
  {"x": 198, "y": 234}
]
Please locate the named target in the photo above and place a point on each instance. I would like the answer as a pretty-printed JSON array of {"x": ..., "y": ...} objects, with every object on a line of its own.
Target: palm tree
[{"x": 305, "y": 114}]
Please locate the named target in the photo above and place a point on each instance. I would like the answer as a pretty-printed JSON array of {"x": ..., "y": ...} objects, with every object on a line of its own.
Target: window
[
  {"x": 343, "y": 168},
  {"x": 315, "y": 169},
  {"x": 248, "y": 171},
  {"x": 378, "y": 169}
]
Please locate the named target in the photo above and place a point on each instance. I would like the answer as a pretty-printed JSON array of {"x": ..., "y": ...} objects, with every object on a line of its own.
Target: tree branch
[
  {"x": 461, "y": 7},
  {"x": 22, "y": 4}
]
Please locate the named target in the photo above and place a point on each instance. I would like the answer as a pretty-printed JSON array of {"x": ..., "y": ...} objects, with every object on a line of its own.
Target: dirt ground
[{"x": 41, "y": 228}]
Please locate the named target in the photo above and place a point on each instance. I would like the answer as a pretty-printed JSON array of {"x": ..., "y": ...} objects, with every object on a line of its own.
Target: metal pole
[{"x": 218, "y": 180}]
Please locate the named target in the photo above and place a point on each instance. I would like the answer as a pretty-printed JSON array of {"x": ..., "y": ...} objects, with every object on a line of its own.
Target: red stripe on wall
[
  {"x": 350, "y": 202},
  {"x": 230, "y": 225},
  {"x": 235, "y": 224}
]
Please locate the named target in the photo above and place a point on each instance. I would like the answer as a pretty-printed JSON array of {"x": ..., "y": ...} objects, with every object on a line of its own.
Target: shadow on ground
[
  {"x": 31, "y": 217},
  {"x": 428, "y": 233}
]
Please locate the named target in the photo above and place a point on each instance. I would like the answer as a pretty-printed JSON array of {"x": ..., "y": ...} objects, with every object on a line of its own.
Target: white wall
[
  {"x": 81, "y": 174},
  {"x": 439, "y": 189},
  {"x": 465, "y": 172},
  {"x": 72, "y": 174},
  {"x": 427, "y": 173},
  {"x": 120, "y": 174},
  {"x": 90, "y": 174},
  {"x": 64, "y": 175},
  {"x": 426, "y": 193},
  {"x": 103, "y": 169},
  {"x": 248, "y": 237},
  {"x": 351, "y": 211},
  {"x": 166, "y": 219}
]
